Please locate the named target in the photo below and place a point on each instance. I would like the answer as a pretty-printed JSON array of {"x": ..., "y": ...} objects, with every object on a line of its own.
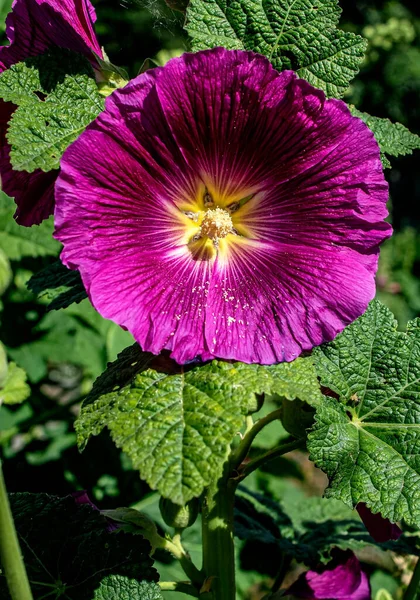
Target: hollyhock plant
[
  {"x": 343, "y": 579},
  {"x": 33, "y": 27},
  {"x": 220, "y": 208}
]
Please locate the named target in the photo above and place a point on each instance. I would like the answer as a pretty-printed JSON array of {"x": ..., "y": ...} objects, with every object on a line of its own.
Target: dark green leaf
[
  {"x": 294, "y": 34},
  {"x": 59, "y": 284},
  {"x": 68, "y": 546},
  {"x": 368, "y": 441},
  {"x": 307, "y": 529},
  {"x": 177, "y": 427}
]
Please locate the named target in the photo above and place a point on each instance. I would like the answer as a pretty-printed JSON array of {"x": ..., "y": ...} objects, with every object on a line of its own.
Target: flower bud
[{"x": 177, "y": 516}]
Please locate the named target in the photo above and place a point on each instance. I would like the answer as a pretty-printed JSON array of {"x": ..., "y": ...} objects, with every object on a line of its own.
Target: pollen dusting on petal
[{"x": 216, "y": 224}]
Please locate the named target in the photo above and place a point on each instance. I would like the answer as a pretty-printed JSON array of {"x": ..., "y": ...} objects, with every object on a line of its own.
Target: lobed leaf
[
  {"x": 393, "y": 138},
  {"x": 368, "y": 441},
  {"x": 294, "y": 34},
  {"x": 177, "y": 426},
  {"x": 57, "y": 98}
]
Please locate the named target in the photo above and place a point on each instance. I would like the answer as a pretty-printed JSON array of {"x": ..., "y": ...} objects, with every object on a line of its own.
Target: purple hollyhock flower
[
  {"x": 33, "y": 27},
  {"x": 342, "y": 579},
  {"x": 380, "y": 529},
  {"x": 219, "y": 208}
]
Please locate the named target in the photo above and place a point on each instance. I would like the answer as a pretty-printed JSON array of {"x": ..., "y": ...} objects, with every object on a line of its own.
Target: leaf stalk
[
  {"x": 242, "y": 450},
  {"x": 184, "y": 587},
  {"x": 251, "y": 466}
]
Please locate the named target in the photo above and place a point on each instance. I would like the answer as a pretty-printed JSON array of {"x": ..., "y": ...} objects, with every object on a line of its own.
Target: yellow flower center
[
  {"x": 216, "y": 224},
  {"x": 211, "y": 222}
]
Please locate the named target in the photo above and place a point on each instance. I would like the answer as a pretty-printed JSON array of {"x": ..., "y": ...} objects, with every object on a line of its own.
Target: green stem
[
  {"x": 248, "y": 468},
  {"x": 413, "y": 590},
  {"x": 179, "y": 586},
  {"x": 10, "y": 555},
  {"x": 218, "y": 545},
  {"x": 175, "y": 547},
  {"x": 242, "y": 450}
]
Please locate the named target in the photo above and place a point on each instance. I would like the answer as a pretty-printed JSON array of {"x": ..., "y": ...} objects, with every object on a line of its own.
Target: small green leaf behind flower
[
  {"x": 177, "y": 424},
  {"x": 294, "y": 34},
  {"x": 57, "y": 97},
  {"x": 368, "y": 441},
  {"x": 393, "y": 138}
]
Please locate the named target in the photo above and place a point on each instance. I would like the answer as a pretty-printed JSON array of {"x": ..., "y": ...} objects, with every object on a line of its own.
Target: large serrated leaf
[
  {"x": 17, "y": 242},
  {"x": 57, "y": 98},
  {"x": 294, "y": 34},
  {"x": 117, "y": 587},
  {"x": 368, "y": 441},
  {"x": 393, "y": 138},
  {"x": 177, "y": 427},
  {"x": 68, "y": 549}
]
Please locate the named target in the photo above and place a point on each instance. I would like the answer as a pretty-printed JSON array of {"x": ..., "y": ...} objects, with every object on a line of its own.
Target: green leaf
[
  {"x": 59, "y": 284},
  {"x": 368, "y": 441},
  {"x": 393, "y": 138},
  {"x": 294, "y": 34},
  {"x": 77, "y": 335},
  {"x": 67, "y": 547},
  {"x": 116, "y": 587},
  {"x": 57, "y": 98},
  {"x": 307, "y": 529},
  {"x": 13, "y": 386},
  {"x": 176, "y": 427},
  {"x": 14, "y": 390},
  {"x": 17, "y": 241}
]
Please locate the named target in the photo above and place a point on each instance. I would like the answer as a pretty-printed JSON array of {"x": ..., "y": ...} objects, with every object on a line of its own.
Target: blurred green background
[{"x": 63, "y": 351}]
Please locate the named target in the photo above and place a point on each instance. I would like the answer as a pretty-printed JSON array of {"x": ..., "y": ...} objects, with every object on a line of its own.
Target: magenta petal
[
  {"x": 343, "y": 579},
  {"x": 299, "y": 264},
  {"x": 33, "y": 26},
  {"x": 269, "y": 302},
  {"x": 380, "y": 529},
  {"x": 82, "y": 497},
  {"x": 33, "y": 192}
]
